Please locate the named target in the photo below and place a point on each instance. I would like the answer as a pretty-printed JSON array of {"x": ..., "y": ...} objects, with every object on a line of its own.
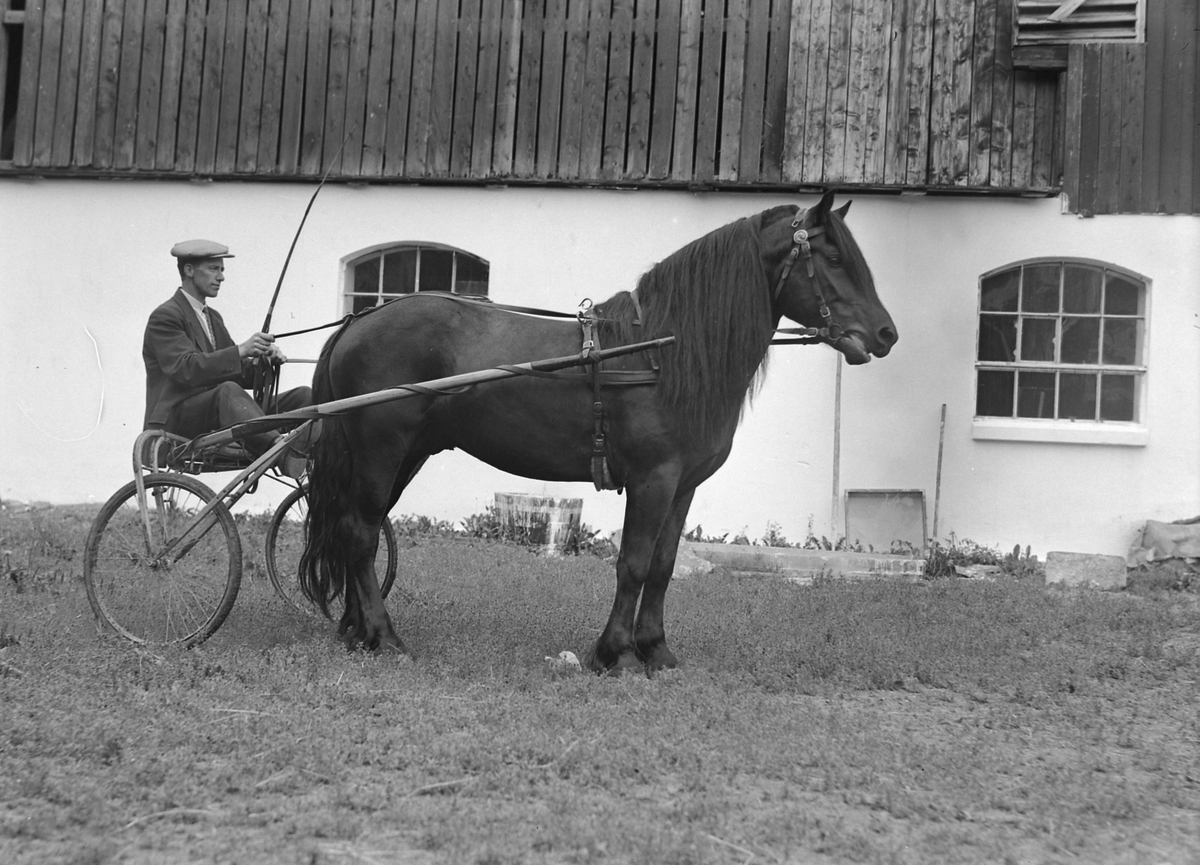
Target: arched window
[
  {"x": 385, "y": 273},
  {"x": 1061, "y": 339}
]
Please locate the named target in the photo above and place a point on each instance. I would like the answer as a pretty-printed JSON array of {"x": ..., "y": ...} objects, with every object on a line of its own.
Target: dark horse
[{"x": 721, "y": 296}]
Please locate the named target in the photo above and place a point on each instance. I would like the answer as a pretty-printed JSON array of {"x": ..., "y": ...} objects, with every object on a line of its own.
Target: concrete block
[
  {"x": 1083, "y": 569},
  {"x": 688, "y": 564},
  {"x": 801, "y": 565}
]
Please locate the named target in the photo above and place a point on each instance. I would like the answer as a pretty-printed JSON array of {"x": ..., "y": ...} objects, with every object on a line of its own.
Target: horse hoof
[
  {"x": 393, "y": 646},
  {"x": 592, "y": 663},
  {"x": 386, "y": 645},
  {"x": 660, "y": 658},
  {"x": 625, "y": 662}
]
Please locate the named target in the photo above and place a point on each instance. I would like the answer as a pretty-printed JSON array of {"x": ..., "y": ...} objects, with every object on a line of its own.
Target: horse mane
[{"x": 714, "y": 296}]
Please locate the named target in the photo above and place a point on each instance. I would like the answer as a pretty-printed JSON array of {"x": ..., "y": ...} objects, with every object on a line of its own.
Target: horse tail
[{"x": 323, "y": 566}]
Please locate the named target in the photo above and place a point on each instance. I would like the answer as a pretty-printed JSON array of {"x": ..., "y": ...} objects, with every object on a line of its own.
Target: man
[{"x": 196, "y": 375}]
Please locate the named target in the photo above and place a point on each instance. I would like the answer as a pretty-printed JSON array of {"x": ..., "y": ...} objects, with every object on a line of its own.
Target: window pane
[
  {"x": 366, "y": 277},
  {"x": 1035, "y": 394},
  {"x": 1080, "y": 340},
  {"x": 1081, "y": 288},
  {"x": 994, "y": 397},
  {"x": 1122, "y": 296},
  {"x": 998, "y": 293},
  {"x": 437, "y": 266},
  {"x": 997, "y": 337},
  {"x": 1077, "y": 395},
  {"x": 400, "y": 272},
  {"x": 1040, "y": 291},
  {"x": 1117, "y": 394},
  {"x": 471, "y": 276},
  {"x": 361, "y": 302},
  {"x": 1122, "y": 340},
  {"x": 1037, "y": 338}
]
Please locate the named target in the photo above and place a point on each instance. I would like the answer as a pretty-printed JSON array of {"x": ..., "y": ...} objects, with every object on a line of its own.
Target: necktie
[{"x": 206, "y": 321}]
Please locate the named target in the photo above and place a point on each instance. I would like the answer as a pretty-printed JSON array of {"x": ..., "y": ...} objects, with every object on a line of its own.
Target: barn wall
[
  {"x": 86, "y": 261},
  {"x": 1131, "y": 128},
  {"x": 744, "y": 93}
]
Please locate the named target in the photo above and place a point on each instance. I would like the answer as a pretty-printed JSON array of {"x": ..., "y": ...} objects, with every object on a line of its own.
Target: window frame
[
  {"x": 381, "y": 251},
  {"x": 1133, "y": 432}
]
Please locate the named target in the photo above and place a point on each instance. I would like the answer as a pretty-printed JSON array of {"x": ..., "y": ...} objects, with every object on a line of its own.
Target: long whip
[
  {"x": 265, "y": 385},
  {"x": 282, "y": 273}
]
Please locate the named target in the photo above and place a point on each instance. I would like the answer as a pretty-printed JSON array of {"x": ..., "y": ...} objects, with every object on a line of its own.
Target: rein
[{"x": 523, "y": 310}]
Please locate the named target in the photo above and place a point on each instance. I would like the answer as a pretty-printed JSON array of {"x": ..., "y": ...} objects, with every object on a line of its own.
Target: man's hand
[{"x": 259, "y": 345}]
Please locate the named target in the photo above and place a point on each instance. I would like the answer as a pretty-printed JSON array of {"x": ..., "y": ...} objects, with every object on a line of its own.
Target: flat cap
[{"x": 200, "y": 249}]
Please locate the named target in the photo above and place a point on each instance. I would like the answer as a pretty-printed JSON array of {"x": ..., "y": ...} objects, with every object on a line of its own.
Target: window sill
[{"x": 1060, "y": 432}]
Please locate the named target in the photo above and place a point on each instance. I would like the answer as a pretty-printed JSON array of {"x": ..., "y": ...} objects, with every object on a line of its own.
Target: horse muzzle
[{"x": 858, "y": 349}]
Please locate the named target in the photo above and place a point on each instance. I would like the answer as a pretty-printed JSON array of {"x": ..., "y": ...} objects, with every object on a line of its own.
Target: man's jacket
[{"x": 180, "y": 361}]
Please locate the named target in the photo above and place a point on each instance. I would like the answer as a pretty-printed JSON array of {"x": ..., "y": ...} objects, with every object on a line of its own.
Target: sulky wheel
[
  {"x": 181, "y": 597},
  {"x": 285, "y": 544}
]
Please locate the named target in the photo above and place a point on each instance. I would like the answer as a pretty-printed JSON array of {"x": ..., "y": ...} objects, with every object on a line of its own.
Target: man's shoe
[{"x": 292, "y": 464}]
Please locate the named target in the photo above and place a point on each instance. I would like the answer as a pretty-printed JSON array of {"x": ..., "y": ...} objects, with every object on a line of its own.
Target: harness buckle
[{"x": 587, "y": 320}]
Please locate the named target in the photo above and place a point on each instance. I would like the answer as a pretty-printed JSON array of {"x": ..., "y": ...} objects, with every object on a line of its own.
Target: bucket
[{"x": 549, "y": 525}]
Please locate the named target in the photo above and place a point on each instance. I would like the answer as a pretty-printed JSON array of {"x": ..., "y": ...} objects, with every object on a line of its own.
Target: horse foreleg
[
  {"x": 649, "y": 504},
  {"x": 650, "y": 634}
]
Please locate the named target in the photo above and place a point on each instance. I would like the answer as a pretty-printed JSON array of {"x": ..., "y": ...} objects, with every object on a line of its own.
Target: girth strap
[{"x": 601, "y": 476}]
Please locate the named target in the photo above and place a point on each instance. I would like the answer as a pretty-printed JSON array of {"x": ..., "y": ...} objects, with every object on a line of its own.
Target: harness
[
  {"x": 830, "y": 332},
  {"x": 602, "y": 477}
]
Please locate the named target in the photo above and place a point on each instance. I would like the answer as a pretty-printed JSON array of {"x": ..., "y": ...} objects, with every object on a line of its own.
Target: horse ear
[
  {"x": 843, "y": 210},
  {"x": 823, "y": 206}
]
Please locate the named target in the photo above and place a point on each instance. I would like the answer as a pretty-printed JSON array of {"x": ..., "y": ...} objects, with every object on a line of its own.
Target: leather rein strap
[
  {"x": 830, "y": 332},
  {"x": 461, "y": 298}
]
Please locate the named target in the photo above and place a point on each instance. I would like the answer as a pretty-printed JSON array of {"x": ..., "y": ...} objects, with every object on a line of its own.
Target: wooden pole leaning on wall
[
  {"x": 937, "y": 488},
  {"x": 837, "y": 453}
]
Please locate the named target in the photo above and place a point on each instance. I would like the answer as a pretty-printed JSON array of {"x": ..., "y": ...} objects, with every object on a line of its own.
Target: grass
[{"x": 953, "y": 721}]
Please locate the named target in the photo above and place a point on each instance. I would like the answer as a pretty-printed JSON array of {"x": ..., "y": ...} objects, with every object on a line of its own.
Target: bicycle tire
[
  {"x": 150, "y": 601},
  {"x": 285, "y": 542}
]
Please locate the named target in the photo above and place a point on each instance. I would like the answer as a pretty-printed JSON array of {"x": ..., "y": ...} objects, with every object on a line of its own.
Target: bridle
[{"x": 830, "y": 332}]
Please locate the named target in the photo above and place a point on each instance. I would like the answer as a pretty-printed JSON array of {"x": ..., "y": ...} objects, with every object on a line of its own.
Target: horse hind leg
[
  {"x": 366, "y": 622},
  {"x": 650, "y": 638}
]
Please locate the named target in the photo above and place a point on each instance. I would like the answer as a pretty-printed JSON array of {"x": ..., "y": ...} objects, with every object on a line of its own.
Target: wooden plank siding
[
  {"x": 761, "y": 94},
  {"x": 1131, "y": 119}
]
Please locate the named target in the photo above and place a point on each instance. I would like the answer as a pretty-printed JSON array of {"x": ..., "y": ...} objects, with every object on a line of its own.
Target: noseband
[{"x": 829, "y": 332}]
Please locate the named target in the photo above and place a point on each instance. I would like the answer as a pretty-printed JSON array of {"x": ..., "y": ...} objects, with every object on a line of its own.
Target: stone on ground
[{"x": 1084, "y": 569}]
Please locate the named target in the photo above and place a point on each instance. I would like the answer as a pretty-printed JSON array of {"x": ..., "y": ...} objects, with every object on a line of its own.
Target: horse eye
[{"x": 835, "y": 259}]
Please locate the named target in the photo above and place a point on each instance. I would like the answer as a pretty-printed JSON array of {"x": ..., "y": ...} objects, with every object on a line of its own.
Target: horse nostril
[{"x": 887, "y": 336}]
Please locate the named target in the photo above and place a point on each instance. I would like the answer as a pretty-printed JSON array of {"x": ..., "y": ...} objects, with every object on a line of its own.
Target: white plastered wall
[{"x": 84, "y": 262}]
